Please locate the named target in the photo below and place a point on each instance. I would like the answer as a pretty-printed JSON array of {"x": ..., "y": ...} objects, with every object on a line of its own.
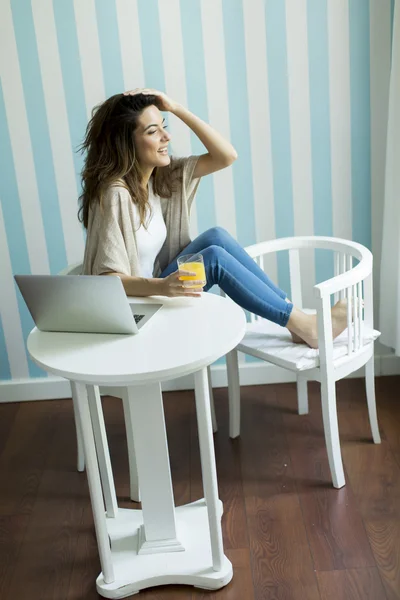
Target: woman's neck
[{"x": 146, "y": 174}]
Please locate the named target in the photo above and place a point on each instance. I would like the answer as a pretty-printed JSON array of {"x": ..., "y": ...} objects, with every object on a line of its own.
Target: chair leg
[
  {"x": 302, "y": 396},
  {"x": 79, "y": 442},
  {"x": 212, "y": 404},
  {"x": 133, "y": 472},
  {"x": 232, "y": 365},
  {"x": 370, "y": 389},
  {"x": 331, "y": 430}
]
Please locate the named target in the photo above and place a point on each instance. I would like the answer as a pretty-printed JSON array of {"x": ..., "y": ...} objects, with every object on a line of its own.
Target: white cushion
[{"x": 273, "y": 343}]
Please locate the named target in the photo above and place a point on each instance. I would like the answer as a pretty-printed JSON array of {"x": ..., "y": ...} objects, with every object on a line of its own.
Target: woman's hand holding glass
[{"x": 173, "y": 285}]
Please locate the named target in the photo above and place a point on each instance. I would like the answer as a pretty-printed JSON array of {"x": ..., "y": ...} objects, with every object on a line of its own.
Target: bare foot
[
  {"x": 296, "y": 339},
  {"x": 339, "y": 318},
  {"x": 303, "y": 328}
]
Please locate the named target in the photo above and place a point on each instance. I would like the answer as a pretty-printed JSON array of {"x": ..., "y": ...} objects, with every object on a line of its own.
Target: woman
[{"x": 135, "y": 205}]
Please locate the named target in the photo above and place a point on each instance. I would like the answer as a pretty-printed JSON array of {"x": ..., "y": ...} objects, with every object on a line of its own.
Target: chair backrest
[
  {"x": 352, "y": 283},
  {"x": 75, "y": 269}
]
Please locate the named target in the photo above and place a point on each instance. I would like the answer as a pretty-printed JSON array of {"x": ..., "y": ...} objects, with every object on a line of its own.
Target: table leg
[
  {"x": 133, "y": 473},
  {"x": 103, "y": 455},
  {"x": 93, "y": 475},
  {"x": 148, "y": 426},
  {"x": 212, "y": 403},
  {"x": 208, "y": 467},
  {"x": 79, "y": 445}
]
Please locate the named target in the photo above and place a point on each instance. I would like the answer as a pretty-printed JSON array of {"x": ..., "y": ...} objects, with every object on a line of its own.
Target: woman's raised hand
[
  {"x": 172, "y": 285},
  {"x": 163, "y": 101}
]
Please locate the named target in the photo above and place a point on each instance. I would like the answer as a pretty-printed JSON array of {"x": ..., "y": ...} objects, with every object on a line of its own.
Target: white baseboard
[{"x": 48, "y": 388}]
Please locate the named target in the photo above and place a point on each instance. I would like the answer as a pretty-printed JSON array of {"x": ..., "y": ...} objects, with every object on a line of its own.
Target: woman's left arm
[{"x": 220, "y": 153}]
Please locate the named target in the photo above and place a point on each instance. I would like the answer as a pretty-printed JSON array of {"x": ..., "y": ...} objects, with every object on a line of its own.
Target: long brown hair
[{"x": 111, "y": 157}]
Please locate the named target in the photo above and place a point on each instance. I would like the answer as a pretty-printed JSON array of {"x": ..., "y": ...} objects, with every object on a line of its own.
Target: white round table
[{"x": 159, "y": 544}]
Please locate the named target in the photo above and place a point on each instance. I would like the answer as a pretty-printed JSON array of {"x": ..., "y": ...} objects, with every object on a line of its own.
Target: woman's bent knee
[
  {"x": 212, "y": 252},
  {"x": 218, "y": 235}
]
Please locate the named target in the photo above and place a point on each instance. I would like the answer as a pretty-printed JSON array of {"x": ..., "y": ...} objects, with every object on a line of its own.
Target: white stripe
[
  {"x": 380, "y": 49},
  {"x": 60, "y": 139},
  {"x": 260, "y": 127},
  {"x": 340, "y": 125},
  {"x": 14, "y": 339},
  {"x": 21, "y": 145},
  {"x": 300, "y": 136},
  {"x": 131, "y": 49},
  {"x": 89, "y": 50},
  {"x": 175, "y": 81},
  {"x": 217, "y": 99}
]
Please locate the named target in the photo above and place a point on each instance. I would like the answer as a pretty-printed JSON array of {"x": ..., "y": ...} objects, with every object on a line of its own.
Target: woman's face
[{"x": 151, "y": 139}]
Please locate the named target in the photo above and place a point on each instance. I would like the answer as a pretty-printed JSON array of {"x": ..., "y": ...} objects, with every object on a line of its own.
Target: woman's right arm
[{"x": 170, "y": 286}]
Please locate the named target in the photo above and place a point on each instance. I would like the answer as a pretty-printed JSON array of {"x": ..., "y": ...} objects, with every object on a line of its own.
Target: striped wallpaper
[{"x": 299, "y": 86}]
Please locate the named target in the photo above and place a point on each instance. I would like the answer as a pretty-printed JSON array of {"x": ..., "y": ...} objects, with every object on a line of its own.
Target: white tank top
[{"x": 150, "y": 241}]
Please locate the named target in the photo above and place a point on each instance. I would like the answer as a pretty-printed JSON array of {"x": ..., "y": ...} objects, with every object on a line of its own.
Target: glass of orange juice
[{"x": 195, "y": 264}]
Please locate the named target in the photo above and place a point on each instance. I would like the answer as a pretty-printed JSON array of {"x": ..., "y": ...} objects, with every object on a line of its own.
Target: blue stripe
[
  {"x": 39, "y": 131},
  {"x": 110, "y": 46},
  {"x": 192, "y": 37},
  {"x": 150, "y": 34},
  {"x": 360, "y": 120},
  {"x": 317, "y": 22},
  {"x": 5, "y": 371},
  {"x": 239, "y": 119},
  {"x": 275, "y": 23},
  {"x": 72, "y": 78},
  {"x": 14, "y": 224}
]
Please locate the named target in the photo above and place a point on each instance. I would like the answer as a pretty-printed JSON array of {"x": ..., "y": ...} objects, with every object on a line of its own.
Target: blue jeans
[{"x": 229, "y": 266}]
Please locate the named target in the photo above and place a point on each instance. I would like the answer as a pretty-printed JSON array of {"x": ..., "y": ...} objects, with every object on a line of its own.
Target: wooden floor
[{"x": 288, "y": 533}]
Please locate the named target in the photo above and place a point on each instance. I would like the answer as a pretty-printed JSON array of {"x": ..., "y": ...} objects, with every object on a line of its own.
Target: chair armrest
[
  {"x": 345, "y": 280},
  {"x": 72, "y": 269},
  {"x": 302, "y": 242}
]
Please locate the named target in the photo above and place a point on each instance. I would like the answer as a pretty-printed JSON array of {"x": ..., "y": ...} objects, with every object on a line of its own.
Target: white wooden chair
[
  {"x": 334, "y": 359},
  {"x": 98, "y": 426}
]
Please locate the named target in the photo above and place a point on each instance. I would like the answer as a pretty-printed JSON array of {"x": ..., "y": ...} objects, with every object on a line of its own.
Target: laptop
[{"x": 83, "y": 303}]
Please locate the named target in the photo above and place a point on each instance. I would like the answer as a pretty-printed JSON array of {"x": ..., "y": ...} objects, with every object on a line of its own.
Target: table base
[{"x": 192, "y": 566}]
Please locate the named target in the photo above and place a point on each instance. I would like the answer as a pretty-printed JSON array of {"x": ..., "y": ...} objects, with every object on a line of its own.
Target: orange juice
[{"x": 194, "y": 267}]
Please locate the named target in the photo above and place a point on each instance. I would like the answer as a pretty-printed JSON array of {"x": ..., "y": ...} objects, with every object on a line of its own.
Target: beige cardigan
[{"x": 111, "y": 241}]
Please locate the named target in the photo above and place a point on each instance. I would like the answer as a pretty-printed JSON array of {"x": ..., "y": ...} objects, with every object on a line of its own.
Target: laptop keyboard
[{"x": 138, "y": 318}]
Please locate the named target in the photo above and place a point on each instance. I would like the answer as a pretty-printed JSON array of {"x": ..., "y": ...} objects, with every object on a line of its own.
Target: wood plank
[
  {"x": 63, "y": 455},
  {"x": 44, "y": 564},
  {"x": 334, "y": 527},
  {"x": 375, "y": 479},
  {"x": 354, "y": 424},
  {"x": 8, "y": 413},
  {"x": 388, "y": 406},
  {"x": 25, "y": 454},
  {"x": 241, "y": 586},
  {"x": 116, "y": 435},
  {"x": 179, "y": 410},
  {"x": 372, "y": 469},
  {"x": 351, "y": 584},
  {"x": 12, "y": 532},
  {"x": 374, "y": 476},
  {"x": 227, "y": 456},
  {"x": 384, "y": 537},
  {"x": 282, "y": 564},
  {"x": 85, "y": 567}
]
